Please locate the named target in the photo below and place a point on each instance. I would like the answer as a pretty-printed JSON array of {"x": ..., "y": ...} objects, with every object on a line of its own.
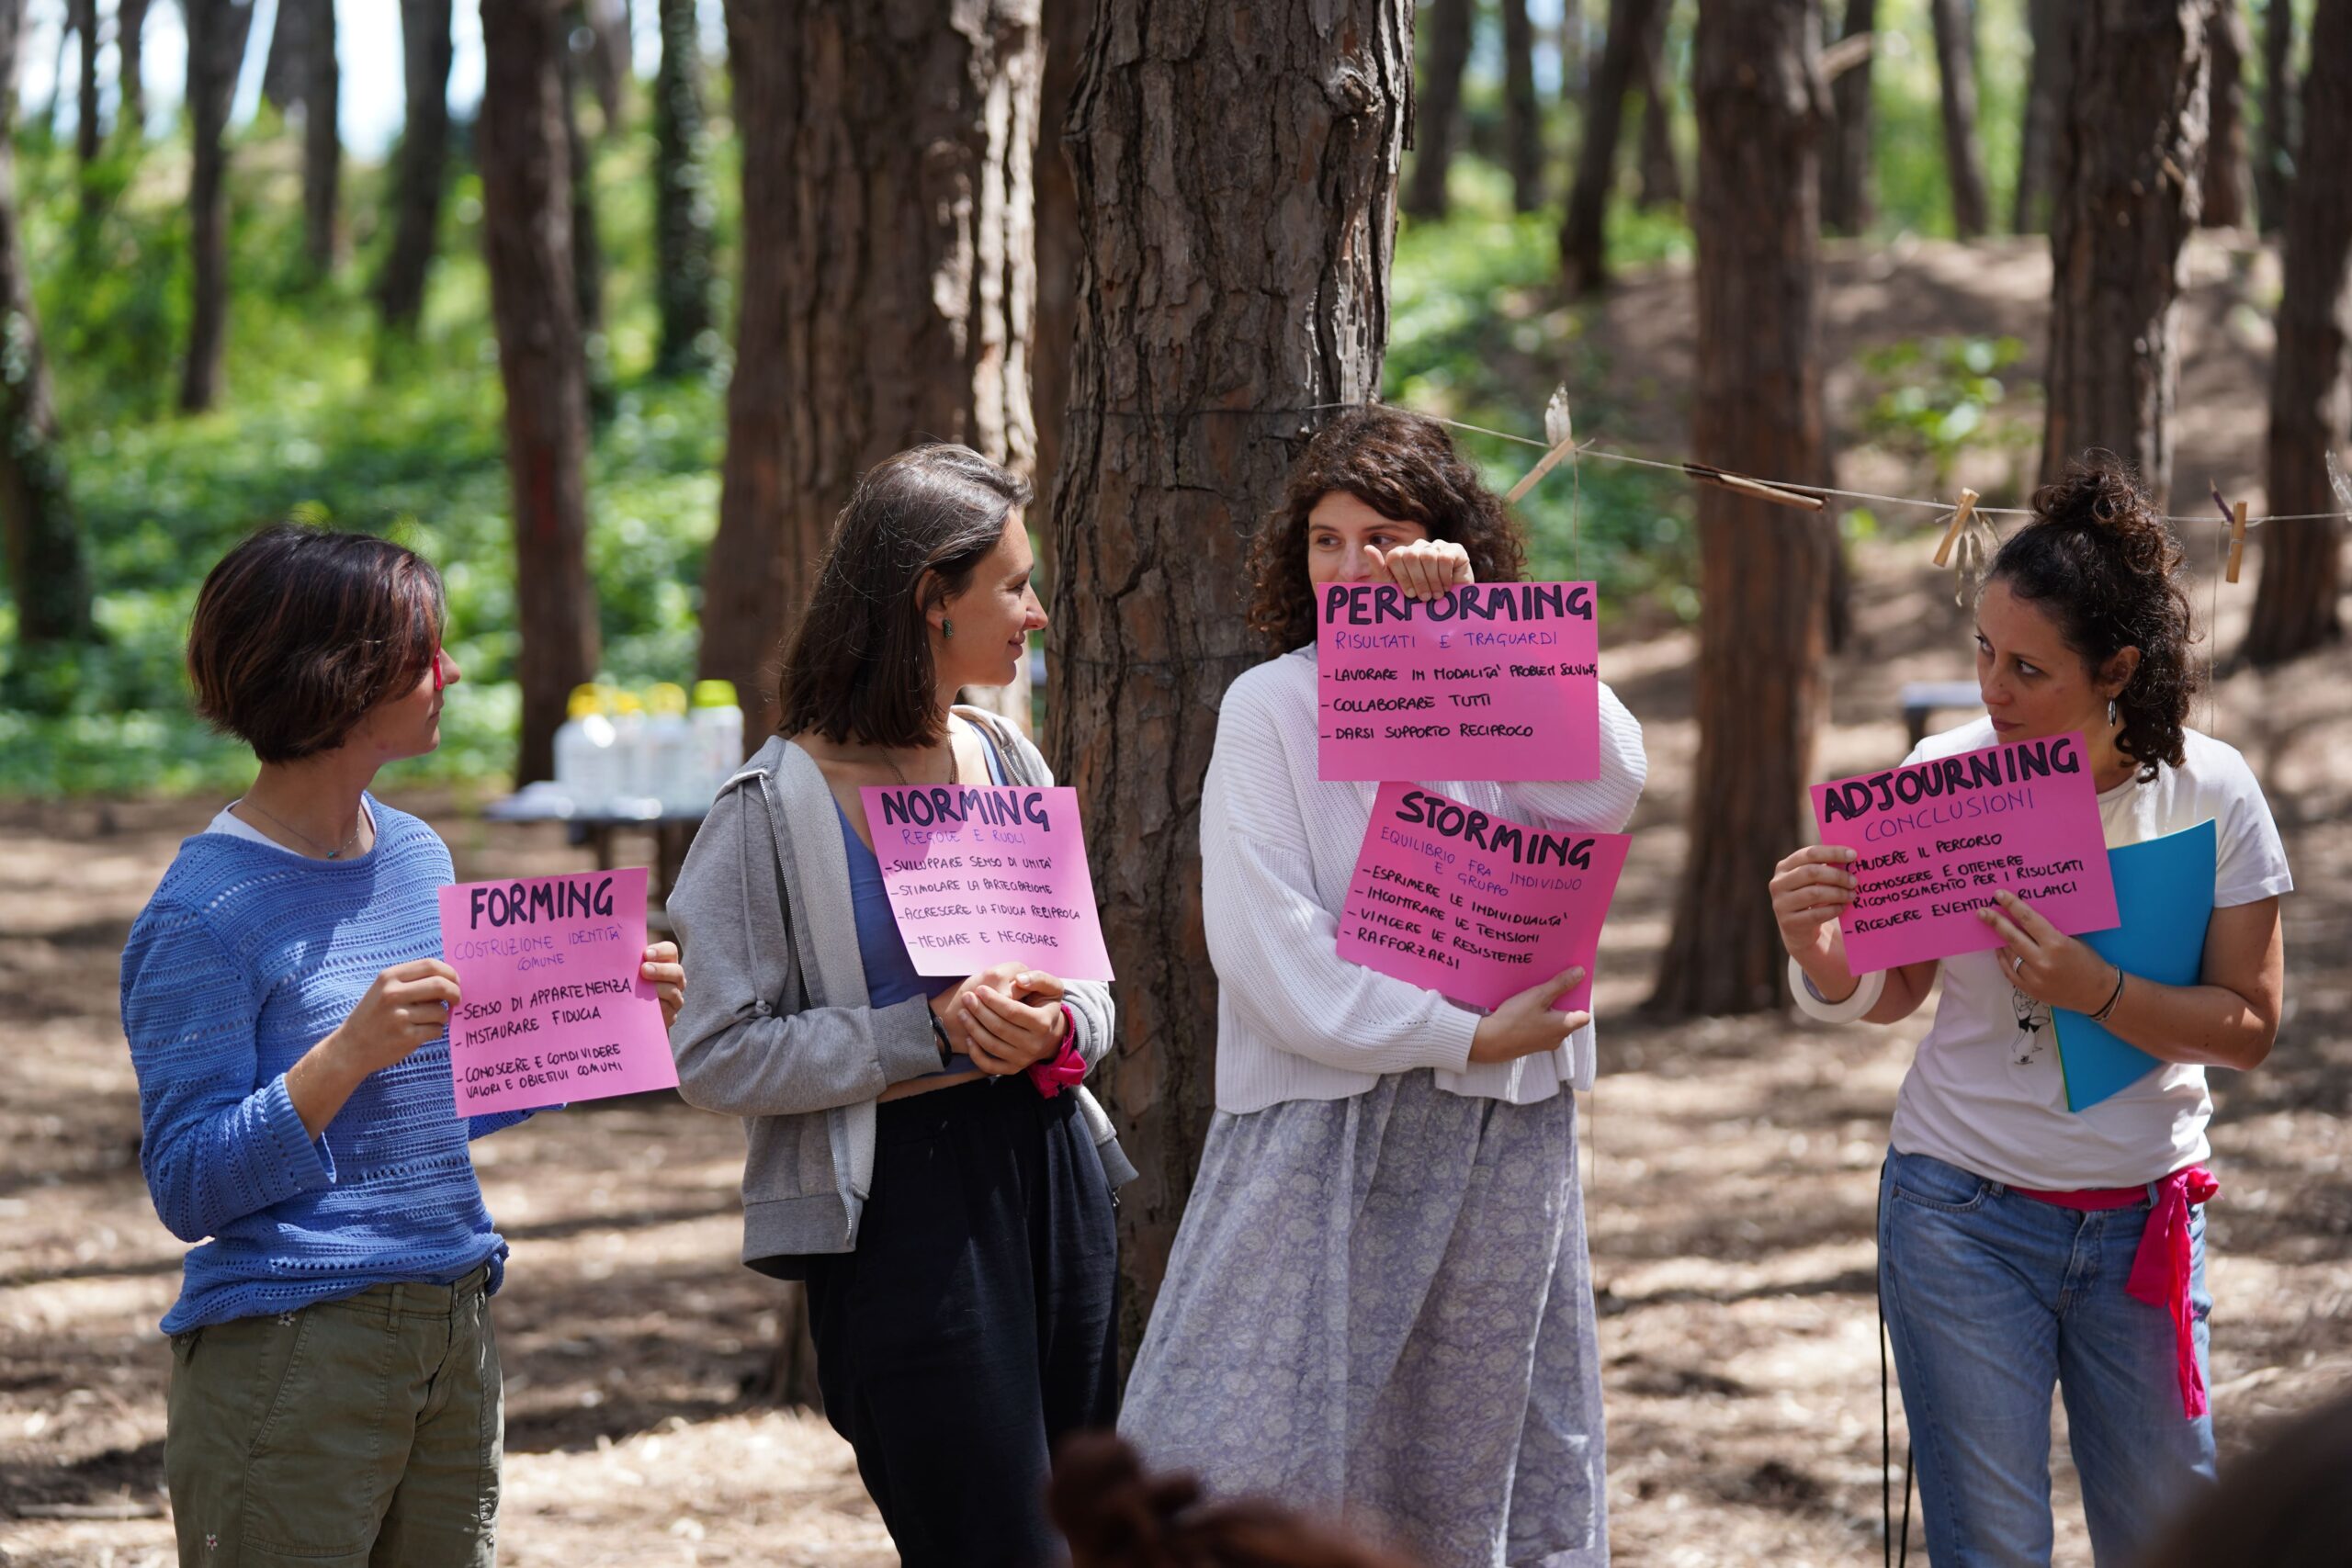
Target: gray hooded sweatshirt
[{"x": 776, "y": 1029}]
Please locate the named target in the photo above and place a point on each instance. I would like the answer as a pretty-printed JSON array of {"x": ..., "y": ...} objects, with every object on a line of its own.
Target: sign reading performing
[
  {"x": 990, "y": 873},
  {"x": 1487, "y": 680},
  {"x": 552, "y": 1008},
  {"x": 1476, "y": 908},
  {"x": 1934, "y": 842}
]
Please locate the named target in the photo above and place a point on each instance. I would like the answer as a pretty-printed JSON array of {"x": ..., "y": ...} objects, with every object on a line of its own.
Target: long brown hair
[
  {"x": 1115, "y": 1516},
  {"x": 1400, "y": 465},
  {"x": 859, "y": 665}
]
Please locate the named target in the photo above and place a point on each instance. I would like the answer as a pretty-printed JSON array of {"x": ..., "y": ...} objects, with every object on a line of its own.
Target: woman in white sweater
[{"x": 1378, "y": 1302}]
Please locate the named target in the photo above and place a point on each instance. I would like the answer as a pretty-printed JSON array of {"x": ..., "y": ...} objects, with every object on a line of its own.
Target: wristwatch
[{"x": 946, "y": 1051}]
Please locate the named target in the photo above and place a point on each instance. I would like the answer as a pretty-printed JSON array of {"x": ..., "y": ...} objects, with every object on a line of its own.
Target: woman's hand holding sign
[
  {"x": 662, "y": 971},
  {"x": 1809, "y": 889},
  {"x": 1004, "y": 1018},
  {"x": 407, "y": 1005},
  {"x": 1422, "y": 567},
  {"x": 1528, "y": 1022},
  {"x": 2046, "y": 963}
]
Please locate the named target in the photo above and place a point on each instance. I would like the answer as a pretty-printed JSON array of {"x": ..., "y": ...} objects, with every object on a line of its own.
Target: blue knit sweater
[{"x": 246, "y": 957}]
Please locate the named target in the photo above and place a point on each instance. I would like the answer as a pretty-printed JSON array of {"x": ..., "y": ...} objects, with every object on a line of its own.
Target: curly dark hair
[
  {"x": 1400, "y": 465},
  {"x": 2100, "y": 561},
  {"x": 1115, "y": 1516}
]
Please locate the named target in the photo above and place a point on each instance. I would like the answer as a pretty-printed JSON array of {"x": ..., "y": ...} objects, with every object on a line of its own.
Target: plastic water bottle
[
  {"x": 587, "y": 761},
  {"x": 629, "y": 738},
  {"x": 718, "y": 735},
  {"x": 672, "y": 773}
]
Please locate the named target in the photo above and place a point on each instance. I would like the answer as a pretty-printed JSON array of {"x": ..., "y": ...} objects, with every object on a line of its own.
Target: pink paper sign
[
  {"x": 1476, "y": 908},
  {"x": 1938, "y": 838},
  {"x": 1490, "y": 681},
  {"x": 552, "y": 1008},
  {"x": 984, "y": 874}
]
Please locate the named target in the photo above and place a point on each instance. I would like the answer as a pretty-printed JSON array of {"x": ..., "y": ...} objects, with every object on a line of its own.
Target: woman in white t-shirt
[{"x": 2023, "y": 1245}]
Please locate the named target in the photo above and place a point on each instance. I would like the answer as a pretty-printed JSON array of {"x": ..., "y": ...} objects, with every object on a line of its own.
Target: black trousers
[{"x": 976, "y": 1323}]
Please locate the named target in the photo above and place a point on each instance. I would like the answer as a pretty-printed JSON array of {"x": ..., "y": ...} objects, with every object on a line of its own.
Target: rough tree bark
[
  {"x": 131, "y": 105},
  {"x": 2045, "y": 101},
  {"x": 2310, "y": 380},
  {"x": 526, "y": 240},
  {"x": 683, "y": 207},
  {"x": 1584, "y": 263},
  {"x": 1065, "y": 24},
  {"x": 46, "y": 567},
  {"x": 1522, "y": 120},
  {"x": 1235, "y": 273},
  {"x": 1661, "y": 184},
  {"x": 427, "y": 49},
  {"x": 216, "y": 30},
  {"x": 888, "y": 280},
  {"x": 2124, "y": 199},
  {"x": 2227, "y": 186},
  {"x": 2275, "y": 157},
  {"x": 1955, "y": 23},
  {"x": 1845, "y": 142},
  {"x": 1764, "y": 570},
  {"x": 1437, "y": 104}
]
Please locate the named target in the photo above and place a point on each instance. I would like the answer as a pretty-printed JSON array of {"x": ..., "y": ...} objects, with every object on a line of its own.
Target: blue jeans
[{"x": 1991, "y": 1299}]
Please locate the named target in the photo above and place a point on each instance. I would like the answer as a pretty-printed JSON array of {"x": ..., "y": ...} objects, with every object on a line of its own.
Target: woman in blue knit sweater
[{"x": 334, "y": 1394}]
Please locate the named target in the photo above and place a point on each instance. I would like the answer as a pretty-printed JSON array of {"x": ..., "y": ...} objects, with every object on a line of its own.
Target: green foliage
[
  {"x": 323, "y": 421},
  {"x": 1940, "y": 397}
]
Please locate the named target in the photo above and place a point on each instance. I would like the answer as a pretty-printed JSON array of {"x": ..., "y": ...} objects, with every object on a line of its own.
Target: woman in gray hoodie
[{"x": 913, "y": 1154}]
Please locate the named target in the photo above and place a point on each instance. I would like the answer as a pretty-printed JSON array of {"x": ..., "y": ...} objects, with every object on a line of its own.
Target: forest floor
[{"x": 1731, "y": 1172}]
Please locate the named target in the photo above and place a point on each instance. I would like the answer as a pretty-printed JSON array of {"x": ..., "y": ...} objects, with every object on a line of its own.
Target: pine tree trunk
[
  {"x": 86, "y": 137},
  {"x": 2310, "y": 400},
  {"x": 130, "y": 36},
  {"x": 1764, "y": 570},
  {"x": 526, "y": 240},
  {"x": 426, "y": 50},
  {"x": 587, "y": 247},
  {"x": 1437, "y": 104},
  {"x": 1522, "y": 122},
  {"x": 2229, "y": 176},
  {"x": 1955, "y": 22},
  {"x": 888, "y": 280},
  {"x": 2124, "y": 199},
  {"x": 216, "y": 30},
  {"x": 284, "y": 79},
  {"x": 46, "y": 569},
  {"x": 2274, "y": 161},
  {"x": 1215, "y": 304},
  {"x": 1584, "y": 263},
  {"x": 1066, "y": 24},
  {"x": 609, "y": 59},
  {"x": 322, "y": 136},
  {"x": 1661, "y": 173},
  {"x": 2045, "y": 104},
  {"x": 683, "y": 206},
  {"x": 1846, "y": 147}
]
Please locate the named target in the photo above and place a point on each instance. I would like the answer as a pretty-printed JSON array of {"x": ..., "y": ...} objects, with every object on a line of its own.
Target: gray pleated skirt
[{"x": 1380, "y": 1307}]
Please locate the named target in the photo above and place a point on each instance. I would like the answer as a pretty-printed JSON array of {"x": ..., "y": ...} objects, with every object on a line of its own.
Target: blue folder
[{"x": 2163, "y": 890}]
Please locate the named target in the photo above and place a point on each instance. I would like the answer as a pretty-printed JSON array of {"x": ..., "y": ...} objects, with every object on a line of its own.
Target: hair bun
[
  {"x": 2099, "y": 494},
  {"x": 1109, "y": 1511}
]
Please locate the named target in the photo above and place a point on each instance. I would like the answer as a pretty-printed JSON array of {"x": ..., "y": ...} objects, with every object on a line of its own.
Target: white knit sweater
[{"x": 1278, "y": 849}]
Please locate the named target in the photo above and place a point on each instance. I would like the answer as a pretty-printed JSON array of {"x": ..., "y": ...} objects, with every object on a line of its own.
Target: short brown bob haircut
[
  {"x": 859, "y": 667},
  {"x": 1402, "y": 466},
  {"x": 301, "y": 630}
]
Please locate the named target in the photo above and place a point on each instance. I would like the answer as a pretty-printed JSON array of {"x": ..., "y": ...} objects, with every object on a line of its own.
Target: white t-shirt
[{"x": 1986, "y": 1093}]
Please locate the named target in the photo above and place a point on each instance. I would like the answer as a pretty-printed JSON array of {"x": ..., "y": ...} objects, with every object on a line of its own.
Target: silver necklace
[
  {"x": 954, "y": 773},
  {"x": 335, "y": 854}
]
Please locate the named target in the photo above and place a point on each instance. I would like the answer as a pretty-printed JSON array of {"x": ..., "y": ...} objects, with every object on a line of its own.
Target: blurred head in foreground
[
  {"x": 1115, "y": 1516},
  {"x": 2287, "y": 1504}
]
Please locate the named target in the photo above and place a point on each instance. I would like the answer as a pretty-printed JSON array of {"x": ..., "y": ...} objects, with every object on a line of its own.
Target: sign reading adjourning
[
  {"x": 1488, "y": 681},
  {"x": 1936, "y": 839},
  {"x": 1476, "y": 908}
]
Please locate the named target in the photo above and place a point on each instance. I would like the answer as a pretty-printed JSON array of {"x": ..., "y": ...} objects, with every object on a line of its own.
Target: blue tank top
[{"x": 889, "y": 972}]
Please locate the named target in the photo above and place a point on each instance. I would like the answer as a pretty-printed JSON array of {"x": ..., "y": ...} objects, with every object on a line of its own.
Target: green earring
[{"x": 947, "y": 627}]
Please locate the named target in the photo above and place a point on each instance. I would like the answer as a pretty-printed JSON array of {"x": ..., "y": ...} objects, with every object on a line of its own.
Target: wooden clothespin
[
  {"x": 1960, "y": 516},
  {"x": 1559, "y": 429},
  {"x": 2237, "y": 541},
  {"x": 1740, "y": 484}
]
